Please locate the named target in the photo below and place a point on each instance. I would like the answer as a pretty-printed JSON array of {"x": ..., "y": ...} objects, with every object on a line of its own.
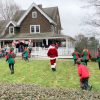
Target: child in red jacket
[{"x": 84, "y": 75}]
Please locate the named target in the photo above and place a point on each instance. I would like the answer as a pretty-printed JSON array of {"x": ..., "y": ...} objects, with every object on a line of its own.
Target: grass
[{"x": 39, "y": 72}]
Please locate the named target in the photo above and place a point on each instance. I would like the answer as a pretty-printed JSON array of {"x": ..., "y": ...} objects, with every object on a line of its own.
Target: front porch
[{"x": 39, "y": 43}]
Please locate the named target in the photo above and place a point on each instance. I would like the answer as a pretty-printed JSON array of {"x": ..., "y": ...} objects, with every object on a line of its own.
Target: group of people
[
  {"x": 83, "y": 72},
  {"x": 79, "y": 59},
  {"x": 10, "y": 57},
  {"x": 84, "y": 56}
]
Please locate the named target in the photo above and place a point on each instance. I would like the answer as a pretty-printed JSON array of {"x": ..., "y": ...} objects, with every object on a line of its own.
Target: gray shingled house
[{"x": 41, "y": 26}]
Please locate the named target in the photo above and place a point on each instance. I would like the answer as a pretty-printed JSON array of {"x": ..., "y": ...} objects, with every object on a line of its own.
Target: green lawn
[{"x": 39, "y": 72}]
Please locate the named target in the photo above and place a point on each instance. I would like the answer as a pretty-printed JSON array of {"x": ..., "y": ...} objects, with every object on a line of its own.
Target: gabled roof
[
  {"x": 12, "y": 22},
  {"x": 51, "y": 11},
  {"x": 19, "y": 16},
  {"x": 16, "y": 18},
  {"x": 40, "y": 10}
]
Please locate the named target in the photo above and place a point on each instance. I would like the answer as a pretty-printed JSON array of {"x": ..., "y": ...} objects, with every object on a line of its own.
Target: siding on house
[{"x": 45, "y": 26}]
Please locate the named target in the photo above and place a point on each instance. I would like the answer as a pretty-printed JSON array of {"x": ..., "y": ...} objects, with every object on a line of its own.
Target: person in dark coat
[{"x": 10, "y": 59}]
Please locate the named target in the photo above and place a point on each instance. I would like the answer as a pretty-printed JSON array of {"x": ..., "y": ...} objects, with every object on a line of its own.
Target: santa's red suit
[{"x": 53, "y": 54}]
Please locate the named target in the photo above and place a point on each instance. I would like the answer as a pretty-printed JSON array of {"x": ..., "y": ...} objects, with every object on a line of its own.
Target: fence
[{"x": 63, "y": 52}]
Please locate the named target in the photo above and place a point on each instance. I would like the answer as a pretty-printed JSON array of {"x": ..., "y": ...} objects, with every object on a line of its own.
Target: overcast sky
[{"x": 71, "y": 13}]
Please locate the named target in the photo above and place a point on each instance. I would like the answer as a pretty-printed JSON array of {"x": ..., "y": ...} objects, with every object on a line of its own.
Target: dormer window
[
  {"x": 11, "y": 30},
  {"x": 34, "y": 14}
]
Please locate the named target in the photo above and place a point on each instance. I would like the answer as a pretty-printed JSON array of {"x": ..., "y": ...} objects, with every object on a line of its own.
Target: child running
[
  {"x": 10, "y": 59},
  {"x": 75, "y": 55},
  {"x": 83, "y": 73}
]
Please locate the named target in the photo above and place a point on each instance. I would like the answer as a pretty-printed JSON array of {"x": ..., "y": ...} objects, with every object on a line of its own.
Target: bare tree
[
  {"x": 81, "y": 42},
  {"x": 93, "y": 19},
  {"x": 7, "y": 9},
  {"x": 84, "y": 42}
]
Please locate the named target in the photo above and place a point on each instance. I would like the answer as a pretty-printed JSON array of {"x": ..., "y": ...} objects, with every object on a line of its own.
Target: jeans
[{"x": 84, "y": 83}]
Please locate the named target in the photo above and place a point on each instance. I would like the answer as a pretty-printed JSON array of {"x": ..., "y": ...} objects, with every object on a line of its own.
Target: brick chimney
[{"x": 40, "y": 5}]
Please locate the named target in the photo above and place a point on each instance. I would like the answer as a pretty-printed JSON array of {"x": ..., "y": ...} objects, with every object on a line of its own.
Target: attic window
[
  {"x": 34, "y": 14},
  {"x": 11, "y": 30}
]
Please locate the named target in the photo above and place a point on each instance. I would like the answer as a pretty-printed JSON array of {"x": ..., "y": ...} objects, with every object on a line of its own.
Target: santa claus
[{"x": 52, "y": 54}]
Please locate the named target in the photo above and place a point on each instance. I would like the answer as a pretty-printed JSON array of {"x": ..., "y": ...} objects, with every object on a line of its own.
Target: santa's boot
[{"x": 53, "y": 69}]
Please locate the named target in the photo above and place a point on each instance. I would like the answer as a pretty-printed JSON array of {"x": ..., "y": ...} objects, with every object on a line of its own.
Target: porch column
[
  {"x": 35, "y": 46},
  {"x": 3, "y": 43},
  {"x": 46, "y": 41},
  {"x": 0, "y": 44},
  {"x": 67, "y": 44}
]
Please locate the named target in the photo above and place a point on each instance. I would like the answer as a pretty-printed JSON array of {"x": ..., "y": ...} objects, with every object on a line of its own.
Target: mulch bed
[{"x": 34, "y": 92}]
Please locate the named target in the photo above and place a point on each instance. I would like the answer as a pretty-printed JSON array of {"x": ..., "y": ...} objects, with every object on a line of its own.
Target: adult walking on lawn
[
  {"x": 83, "y": 73},
  {"x": 98, "y": 58},
  {"x": 75, "y": 55},
  {"x": 86, "y": 56},
  {"x": 52, "y": 54},
  {"x": 10, "y": 59}
]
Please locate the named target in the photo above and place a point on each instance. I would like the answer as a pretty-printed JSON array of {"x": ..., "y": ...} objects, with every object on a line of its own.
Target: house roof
[
  {"x": 11, "y": 22},
  {"x": 40, "y": 10},
  {"x": 18, "y": 15},
  {"x": 48, "y": 35},
  {"x": 50, "y": 11}
]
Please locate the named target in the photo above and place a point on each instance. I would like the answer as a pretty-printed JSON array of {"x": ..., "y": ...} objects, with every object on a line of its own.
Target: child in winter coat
[{"x": 83, "y": 73}]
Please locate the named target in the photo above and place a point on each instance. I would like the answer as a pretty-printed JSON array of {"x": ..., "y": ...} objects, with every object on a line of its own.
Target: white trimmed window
[
  {"x": 11, "y": 30},
  {"x": 34, "y": 28},
  {"x": 34, "y": 14}
]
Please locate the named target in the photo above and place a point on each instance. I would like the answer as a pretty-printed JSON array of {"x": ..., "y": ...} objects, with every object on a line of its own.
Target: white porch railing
[
  {"x": 42, "y": 52},
  {"x": 63, "y": 52}
]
